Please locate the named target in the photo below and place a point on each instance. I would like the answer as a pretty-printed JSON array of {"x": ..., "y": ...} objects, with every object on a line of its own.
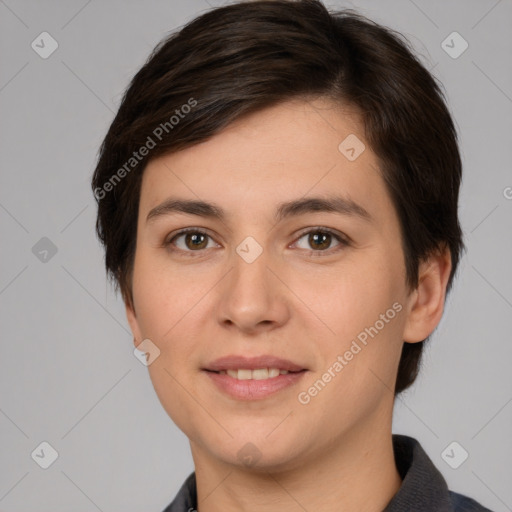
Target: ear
[
  {"x": 132, "y": 321},
  {"x": 426, "y": 302}
]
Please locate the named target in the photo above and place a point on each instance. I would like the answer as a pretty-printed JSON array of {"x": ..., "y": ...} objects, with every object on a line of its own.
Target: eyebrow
[{"x": 331, "y": 204}]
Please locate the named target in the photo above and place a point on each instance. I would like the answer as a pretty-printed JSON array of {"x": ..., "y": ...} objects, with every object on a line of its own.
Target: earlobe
[
  {"x": 132, "y": 321},
  {"x": 427, "y": 301}
]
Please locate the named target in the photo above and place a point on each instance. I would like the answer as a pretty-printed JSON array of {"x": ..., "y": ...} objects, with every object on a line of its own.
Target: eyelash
[{"x": 343, "y": 241}]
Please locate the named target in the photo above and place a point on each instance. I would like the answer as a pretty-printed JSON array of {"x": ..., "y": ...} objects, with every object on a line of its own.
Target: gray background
[{"x": 68, "y": 375}]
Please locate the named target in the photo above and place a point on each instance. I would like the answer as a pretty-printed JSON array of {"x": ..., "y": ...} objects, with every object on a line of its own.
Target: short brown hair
[{"x": 243, "y": 57}]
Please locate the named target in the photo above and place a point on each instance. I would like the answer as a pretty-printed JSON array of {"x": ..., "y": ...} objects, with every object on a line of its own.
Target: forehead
[{"x": 281, "y": 153}]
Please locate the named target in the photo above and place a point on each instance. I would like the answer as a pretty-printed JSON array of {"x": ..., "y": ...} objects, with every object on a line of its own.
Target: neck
[{"x": 352, "y": 474}]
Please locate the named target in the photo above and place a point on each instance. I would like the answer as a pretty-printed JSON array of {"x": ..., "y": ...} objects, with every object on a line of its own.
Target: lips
[{"x": 253, "y": 378}]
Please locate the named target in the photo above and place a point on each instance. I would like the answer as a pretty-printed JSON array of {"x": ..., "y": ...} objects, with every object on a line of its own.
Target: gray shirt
[{"x": 423, "y": 487}]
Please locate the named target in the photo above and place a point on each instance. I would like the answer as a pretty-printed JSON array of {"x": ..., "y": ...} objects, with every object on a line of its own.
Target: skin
[{"x": 335, "y": 452}]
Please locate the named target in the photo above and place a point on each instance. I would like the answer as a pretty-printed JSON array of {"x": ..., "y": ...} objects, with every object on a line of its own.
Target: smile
[{"x": 257, "y": 374}]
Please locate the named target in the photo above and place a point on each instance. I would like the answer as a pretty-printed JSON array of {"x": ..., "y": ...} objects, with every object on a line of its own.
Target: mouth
[{"x": 253, "y": 378}]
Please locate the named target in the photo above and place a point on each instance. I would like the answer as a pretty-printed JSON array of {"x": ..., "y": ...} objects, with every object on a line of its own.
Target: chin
[{"x": 256, "y": 453}]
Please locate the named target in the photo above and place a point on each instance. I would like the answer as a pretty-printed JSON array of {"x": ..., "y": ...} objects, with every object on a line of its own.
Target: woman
[{"x": 277, "y": 197}]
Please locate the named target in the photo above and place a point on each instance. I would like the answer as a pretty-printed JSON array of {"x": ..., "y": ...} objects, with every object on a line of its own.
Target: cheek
[
  {"x": 163, "y": 295},
  {"x": 347, "y": 299},
  {"x": 171, "y": 306},
  {"x": 361, "y": 313},
  {"x": 167, "y": 304}
]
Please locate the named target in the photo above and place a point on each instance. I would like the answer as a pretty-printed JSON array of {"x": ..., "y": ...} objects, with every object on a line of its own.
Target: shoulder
[
  {"x": 186, "y": 499},
  {"x": 462, "y": 503},
  {"x": 423, "y": 486}
]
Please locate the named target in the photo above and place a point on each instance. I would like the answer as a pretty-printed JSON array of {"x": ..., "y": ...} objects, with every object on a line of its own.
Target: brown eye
[
  {"x": 191, "y": 240},
  {"x": 320, "y": 240},
  {"x": 195, "y": 241}
]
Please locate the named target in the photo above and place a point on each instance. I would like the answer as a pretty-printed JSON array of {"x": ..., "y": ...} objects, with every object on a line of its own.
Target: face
[{"x": 316, "y": 292}]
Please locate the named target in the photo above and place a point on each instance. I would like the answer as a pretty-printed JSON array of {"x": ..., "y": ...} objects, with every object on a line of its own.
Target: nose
[{"x": 253, "y": 297}]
